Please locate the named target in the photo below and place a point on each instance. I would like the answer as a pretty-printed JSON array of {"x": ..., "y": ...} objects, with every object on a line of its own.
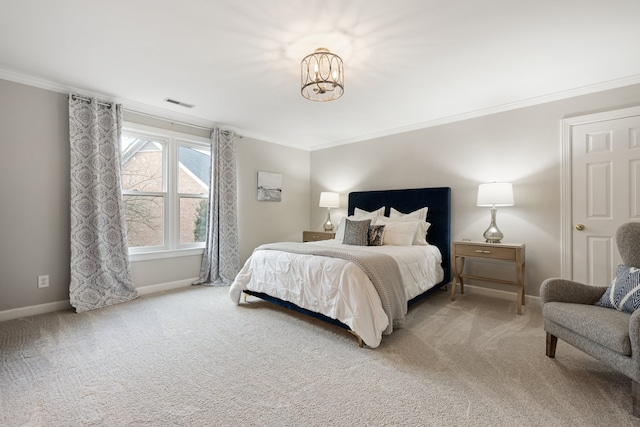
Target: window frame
[{"x": 172, "y": 140}]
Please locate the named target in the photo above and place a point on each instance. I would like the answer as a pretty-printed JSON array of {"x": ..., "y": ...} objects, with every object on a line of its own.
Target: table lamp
[
  {"x": 494, "y": 194},
  {"x": 329, "y": 200}
]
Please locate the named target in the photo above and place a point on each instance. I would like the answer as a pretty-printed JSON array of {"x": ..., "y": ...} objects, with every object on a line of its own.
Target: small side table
[
  {"x": 315, "y": 236},
  {"x": 513, "y": 252}
]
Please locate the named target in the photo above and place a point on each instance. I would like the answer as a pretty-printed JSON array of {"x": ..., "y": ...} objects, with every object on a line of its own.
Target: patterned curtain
[
  {"x": 100, "y": 272},
  {"x": 221, "y": 259}
]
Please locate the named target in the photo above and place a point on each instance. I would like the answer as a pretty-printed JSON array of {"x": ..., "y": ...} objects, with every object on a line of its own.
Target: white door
[{"x": 605, "y": 177}]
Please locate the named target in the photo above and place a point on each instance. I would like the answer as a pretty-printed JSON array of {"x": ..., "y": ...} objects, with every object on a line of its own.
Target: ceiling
[{"x": 408, "y": 63}]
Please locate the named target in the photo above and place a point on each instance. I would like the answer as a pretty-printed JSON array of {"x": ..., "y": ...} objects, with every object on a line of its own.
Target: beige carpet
[{"x": 192, "y": 358}]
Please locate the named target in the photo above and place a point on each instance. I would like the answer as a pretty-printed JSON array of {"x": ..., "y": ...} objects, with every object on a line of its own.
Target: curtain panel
[
  {"x": 100, "y": 270},
  {"x": 221, "y": 259}
]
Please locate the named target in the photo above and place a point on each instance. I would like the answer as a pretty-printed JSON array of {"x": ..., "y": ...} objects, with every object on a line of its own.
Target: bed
[{"x": 355, "y": 286}]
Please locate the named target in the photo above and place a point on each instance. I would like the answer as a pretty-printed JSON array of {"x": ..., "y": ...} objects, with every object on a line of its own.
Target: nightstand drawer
[
  {"x": 316, "y": 236},
  {"x": 480, "y": 251}
]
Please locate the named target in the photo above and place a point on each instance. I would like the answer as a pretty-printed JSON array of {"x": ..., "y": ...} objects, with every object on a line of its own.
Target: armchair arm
[
  {"x": 564, "y": 290},
  {"x": 634, "y": 336}
]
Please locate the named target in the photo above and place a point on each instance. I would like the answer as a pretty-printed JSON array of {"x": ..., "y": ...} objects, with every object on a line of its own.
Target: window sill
[{"x": 162, "y": 254}]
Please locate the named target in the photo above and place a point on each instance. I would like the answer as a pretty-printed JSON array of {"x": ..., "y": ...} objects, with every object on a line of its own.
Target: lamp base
[
  {"x": 493, "y": 234},
  {"x": 328, "y": 225}
]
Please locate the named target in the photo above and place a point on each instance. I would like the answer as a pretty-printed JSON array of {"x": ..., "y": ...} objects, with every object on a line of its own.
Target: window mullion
[{"x": 173, "y": 208}]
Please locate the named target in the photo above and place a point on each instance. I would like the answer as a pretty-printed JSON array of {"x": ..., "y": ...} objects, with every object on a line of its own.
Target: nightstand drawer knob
[{"x": 482, "y": 252}]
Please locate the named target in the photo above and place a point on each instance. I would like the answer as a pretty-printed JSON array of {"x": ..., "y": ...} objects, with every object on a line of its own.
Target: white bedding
[{"x": 335, "y": 287}]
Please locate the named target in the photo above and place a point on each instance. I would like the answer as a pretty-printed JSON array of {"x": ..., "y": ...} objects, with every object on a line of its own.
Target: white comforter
[{"x": 335, "y": 287}]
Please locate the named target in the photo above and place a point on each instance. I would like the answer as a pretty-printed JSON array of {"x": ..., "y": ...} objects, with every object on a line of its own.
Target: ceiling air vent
[{"x": 182, "y": 104}]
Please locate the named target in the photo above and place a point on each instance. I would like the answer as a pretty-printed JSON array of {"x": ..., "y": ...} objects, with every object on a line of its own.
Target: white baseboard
[
  {"x": 34, "y": 310},
  {"x": 150, "y": 289},
  {"x": 496, "y": 293}
]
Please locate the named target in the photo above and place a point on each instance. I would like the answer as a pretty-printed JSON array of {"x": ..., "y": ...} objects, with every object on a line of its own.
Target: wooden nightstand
[
  {"x": 514, "y": 252},
  {"x": 315, "y": 236}
]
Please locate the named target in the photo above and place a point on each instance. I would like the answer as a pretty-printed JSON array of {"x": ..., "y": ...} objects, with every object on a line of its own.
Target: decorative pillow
[
  {"x": 624, "y": 292},
  {"x": 420, "y": 214},
  {"x": 359, "y": 214},
  {"x": 340, "y": 230},
  {"x": 356, "y": 232},
  {"x": 420, "y": 237},
  {"x": 398, "y": 233},
  {"x": 376, "y": 233}
]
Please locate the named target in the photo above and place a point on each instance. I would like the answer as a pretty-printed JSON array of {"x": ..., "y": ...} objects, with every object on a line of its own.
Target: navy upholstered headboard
[{"x": 439, "y": 215}]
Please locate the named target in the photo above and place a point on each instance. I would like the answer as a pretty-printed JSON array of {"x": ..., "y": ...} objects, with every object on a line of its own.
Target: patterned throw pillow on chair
[{"x": 624, "y": 292}]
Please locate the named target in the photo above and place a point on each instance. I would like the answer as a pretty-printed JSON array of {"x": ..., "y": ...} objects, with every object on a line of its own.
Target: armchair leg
[
  {"x": 635, "y": 398},
  {"x": 552, "y": 341}
]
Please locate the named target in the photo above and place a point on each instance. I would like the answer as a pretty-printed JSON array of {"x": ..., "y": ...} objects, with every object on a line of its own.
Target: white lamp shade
[
  {"x": 495, "y": 194},
  {"x": 329, "y": 200}
]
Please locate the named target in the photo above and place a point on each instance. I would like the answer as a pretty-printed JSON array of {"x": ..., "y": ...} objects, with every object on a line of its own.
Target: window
[{"x": 165, "y": 188}]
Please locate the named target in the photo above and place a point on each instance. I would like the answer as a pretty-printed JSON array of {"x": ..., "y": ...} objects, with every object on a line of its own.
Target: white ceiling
[{"x": 408, "y": 63}]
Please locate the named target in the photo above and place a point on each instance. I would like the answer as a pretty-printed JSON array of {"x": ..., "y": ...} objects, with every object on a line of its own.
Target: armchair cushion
[
  {"x": 624, "y": 292},
  {"x": 607, "y": 327}
]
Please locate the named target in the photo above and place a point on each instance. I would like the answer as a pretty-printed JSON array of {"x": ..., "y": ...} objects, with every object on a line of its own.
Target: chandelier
[{"x": 322, "y": 76}]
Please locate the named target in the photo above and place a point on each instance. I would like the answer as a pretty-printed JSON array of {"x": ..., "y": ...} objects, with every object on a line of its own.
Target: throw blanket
[{"x": 382, "y": 270}]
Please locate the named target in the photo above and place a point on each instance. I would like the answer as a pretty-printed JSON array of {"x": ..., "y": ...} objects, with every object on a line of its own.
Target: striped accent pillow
[{"x": 624, "y": 292}]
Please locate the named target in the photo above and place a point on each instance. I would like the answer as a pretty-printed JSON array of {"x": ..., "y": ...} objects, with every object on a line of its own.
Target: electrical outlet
[{"x": 43, "y": 281}]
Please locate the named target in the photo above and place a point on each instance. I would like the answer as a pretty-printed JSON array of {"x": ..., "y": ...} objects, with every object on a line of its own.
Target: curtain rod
[
  {"x": 107, "y": 104},
  {"x": 82, "y": 98},
  {"x": 152, "y": 116}
]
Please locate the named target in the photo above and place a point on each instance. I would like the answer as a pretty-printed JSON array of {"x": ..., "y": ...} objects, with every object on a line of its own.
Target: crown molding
[
  {"x": 133, "y": 106},
  {"x": 127, "y": 104},
  {"x": 186, "y": 119},
  {"x": 557, "y": 96}
]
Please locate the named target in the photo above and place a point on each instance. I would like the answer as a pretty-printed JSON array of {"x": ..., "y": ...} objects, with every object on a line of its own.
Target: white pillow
[
  {"x": 358, "y": 215},
  {"x": 420, "y": 236},
  {"x": 398, "y": 233},
  {"x": 340, "y": 229},
  {"x": 420, "y": 214},
  {"x": 360, "y": 212}
]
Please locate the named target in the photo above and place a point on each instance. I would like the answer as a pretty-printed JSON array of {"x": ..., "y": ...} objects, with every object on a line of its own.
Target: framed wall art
[{"x": 269, "y": 186}]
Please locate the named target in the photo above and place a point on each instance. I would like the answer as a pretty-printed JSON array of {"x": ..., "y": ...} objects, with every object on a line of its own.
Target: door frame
[{"x": 566, "y": 188}]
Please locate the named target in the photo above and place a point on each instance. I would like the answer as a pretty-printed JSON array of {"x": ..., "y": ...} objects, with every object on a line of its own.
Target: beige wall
[
  {"x": 264, "y": 222},
  {"x": 34, "y": 194},
  {"x": 522, "y": 146}
]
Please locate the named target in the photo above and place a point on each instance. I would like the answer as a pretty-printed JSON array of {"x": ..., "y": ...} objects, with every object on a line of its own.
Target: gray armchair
[{"x": 607, "y": 334}]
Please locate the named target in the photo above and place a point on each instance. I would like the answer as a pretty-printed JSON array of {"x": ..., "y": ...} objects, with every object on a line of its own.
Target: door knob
[{"x": 579, "y": 227}]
